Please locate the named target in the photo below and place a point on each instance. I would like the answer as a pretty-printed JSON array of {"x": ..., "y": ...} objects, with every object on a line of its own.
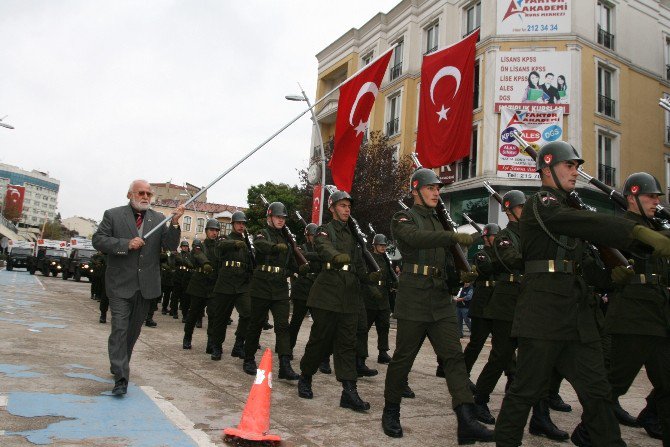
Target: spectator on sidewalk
[{"x": 463, "y": 306}]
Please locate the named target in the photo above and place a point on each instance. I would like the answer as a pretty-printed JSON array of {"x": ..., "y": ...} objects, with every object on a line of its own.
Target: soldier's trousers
[
  {"x": 299, "y": 311},
  {"x": 443, "y": 335},
  {"x": 167, "y": 295},
  {"x": 362, "y": 331},
  {"x": 221, "y": 306},
  {"x": 580, "y": 363},
  {"x": 198, "y": 304},
  {"x": 381, "y": 319},
  {"x": 104, "y": 303},
  {"x": 628, "y": 354},
  {"x": 175, "y": 299},
  {"x": 259, "y": 311},
  {"x": 479, "y": 332},
  {"x": 501, "y": 358},
  {"x": 331, "y": 332}
]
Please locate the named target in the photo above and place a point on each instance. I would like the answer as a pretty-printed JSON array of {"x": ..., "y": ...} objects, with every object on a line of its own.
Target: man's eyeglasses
[{"x": 144, "y": 193}]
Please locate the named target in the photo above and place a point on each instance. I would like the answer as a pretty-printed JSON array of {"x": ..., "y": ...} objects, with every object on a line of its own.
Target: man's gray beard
[{"x": 140, "y": 206}]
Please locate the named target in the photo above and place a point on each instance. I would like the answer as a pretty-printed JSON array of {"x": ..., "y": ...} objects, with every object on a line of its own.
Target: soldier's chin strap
[
  {"x": 557, "y": 182},
  {"x": 642, "y": 211},
  {"x": 423, "y": 202}
]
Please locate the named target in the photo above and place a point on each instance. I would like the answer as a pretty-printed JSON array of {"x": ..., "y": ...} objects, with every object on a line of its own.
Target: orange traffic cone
[{"x": 255, "y": 422}]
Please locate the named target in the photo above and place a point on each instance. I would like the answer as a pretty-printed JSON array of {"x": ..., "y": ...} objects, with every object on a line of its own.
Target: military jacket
[
  {"x": 99, "y": 265},
  {"x": 184, "y": 269},
  {"x": 201, "y": 283},
  {"x": 302, "y": 283},
  {"x": 641, "y": 309},
  {"x": 272, "y": 285},
  {"x": 167, "y": 270},
  {"x": 508, "y": 267},
  {"x": 234, "y": 266},
  {"x": 482, "y": 287},
  {"x": 559, "y": 306},
  {"x": 422, "y": 241},
  {"x": 334, "y": 289},
  {"x": 378, "y": 293}
]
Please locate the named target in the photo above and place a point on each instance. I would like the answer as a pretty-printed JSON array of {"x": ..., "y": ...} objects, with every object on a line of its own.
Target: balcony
[
  {"x": 430, "y": 50},
  {"x": 605, "y": 38},
  {"x": 393, "y": 127},
  {"x": 467, "y": 33},
  {"x": 667, "y": 71},
  {"x": 607, "y": 174},
  {"x": 396, "y": 71},
  {"x": 466, "y": 169},
  {"x": 606, "y": 106},
  {"x": 667, "y": 134}
]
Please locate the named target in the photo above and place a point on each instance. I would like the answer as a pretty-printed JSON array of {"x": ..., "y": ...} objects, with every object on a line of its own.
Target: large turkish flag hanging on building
[
  {"x": 14, "y": 202},
  {"x": 445, "y": 104}
]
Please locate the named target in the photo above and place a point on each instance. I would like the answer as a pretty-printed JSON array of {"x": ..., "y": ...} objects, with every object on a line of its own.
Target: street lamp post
[{"x": 318, "y": 133}]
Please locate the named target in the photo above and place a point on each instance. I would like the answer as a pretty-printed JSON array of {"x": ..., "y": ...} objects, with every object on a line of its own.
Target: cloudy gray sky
[{"x": 101, "y": 92}]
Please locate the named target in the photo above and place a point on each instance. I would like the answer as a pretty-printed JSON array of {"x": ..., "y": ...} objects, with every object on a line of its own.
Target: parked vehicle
[
  {"x": 18, "y": 258},
  {"x": 78, "y": 264}
]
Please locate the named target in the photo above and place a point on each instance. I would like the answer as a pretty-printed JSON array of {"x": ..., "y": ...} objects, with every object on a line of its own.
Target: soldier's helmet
[
  {"x": 238, "y": 216},
  {"x": 380, "y": 239},
  {"x": 213, "y": 223},
  {"x": 337, "y": 196},
  {"x": 641, "y": 183},
  {"x": 197, "y": 243},
  {"x": 277, "y": 209},
  {"x": 556, "y": 152},
  {"x": 183, "y": 244},
  {"x": 423, "y": 177},
  {"x": 513, "y": 198},
  {"x": 310, "y": 229},
  {"x": 490, "y": 229}
]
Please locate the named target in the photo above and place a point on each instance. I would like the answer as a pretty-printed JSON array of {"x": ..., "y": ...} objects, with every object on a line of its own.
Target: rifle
[
  {"x": 448, "y": 224},
  {"x": 370, "y": 262},
  {"x": 300, "y": 218},
  {"x": 493, "y": 192},
  {"x": 474, "y": 224},
  {"x": 290, "y": 238},
  {"x": 389, "y": 265},
  {"x": 250, "y": 250},
  {"x": 611, "y": 257}
]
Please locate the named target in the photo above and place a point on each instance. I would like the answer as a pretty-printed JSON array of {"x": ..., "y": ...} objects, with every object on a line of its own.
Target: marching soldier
[
  {"x": 334, "y": 302},
  {"x": 183, "y": 274},
  {"x": 638, "y": 317},
  {"x": 99, "y": 266},
  {"x": 423, "y": 308},
  {"x": 167, "y": 279},
  {"x": 555, "y": 317},
  {"x": 377, "y": 304},
  {"x": 269, "y": 291}
]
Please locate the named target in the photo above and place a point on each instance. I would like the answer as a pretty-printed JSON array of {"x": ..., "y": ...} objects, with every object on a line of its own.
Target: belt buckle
[
  {"x": 551, "y": 266},
  {"x": 345, "y": 267}
]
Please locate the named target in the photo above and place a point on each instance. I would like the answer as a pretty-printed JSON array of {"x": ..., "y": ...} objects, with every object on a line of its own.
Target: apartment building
[{"x": 41, "y": 193}]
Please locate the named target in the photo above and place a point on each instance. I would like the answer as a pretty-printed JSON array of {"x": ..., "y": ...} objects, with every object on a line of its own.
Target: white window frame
[
  {"x": 666, "y": 57},
  {"x": 474, "y": 150},
  {"x": 395, "y": 96},
  {"x": 605, "y": 20},
  {"x": 431, "y": 38},
  {"x": 615, "y": 156},
  {"x": 200, "y": 225},
  {"x": 397, "y": 54},
  {"x": 187, "y": 223},
  {"x": 476, "y": 8},
  {"x": 367, "y": 58},
  {"x": 614, "y": 87}
]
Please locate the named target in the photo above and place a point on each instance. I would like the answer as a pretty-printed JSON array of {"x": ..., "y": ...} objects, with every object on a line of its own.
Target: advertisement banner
[
  {"x": 534, "y": 16},
  {"x": 537, "y": 129},
  {"x": 14, "y": 202},
  {"x": 533, "y": 80}
]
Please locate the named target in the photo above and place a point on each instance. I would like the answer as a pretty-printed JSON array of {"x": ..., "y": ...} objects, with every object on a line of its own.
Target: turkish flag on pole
[
  {"x": 316, "y": 204},
  {"x": 445, "y": 104},
  {"x": 357, "y": 96}
]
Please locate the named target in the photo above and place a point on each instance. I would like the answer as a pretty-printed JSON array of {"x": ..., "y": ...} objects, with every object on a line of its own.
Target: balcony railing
[
  {"x": 667, "y": 134},
  {"x": 393, "y": 127},
  {"x": 430, "y": 50},
  {"x": 667, "y": 71},
  {"x": 607, "y": 174},
  {"x": 606, "y": 105},
  {"x": 396, "y": 71},
  {"x": 466, "y": 169},
  {"x": 605, "y": 38},
  {"x": 471, "y": 31}
]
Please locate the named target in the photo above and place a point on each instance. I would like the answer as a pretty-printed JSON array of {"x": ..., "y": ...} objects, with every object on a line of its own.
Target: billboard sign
[{"x": 534, "y": 17}]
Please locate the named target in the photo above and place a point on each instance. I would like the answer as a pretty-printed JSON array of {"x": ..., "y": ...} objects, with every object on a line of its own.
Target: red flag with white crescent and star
[
  {"x": 445, "y": 104},
  {"x": 14, "y": 201},
  {"x": 357, "y": 96}
]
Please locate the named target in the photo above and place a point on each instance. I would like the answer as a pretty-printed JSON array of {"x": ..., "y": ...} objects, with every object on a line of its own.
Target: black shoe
[
  {"x": 556, "y": 403},
  {"x": 305, "y": 387},
  {"x": 542, "y": 425},
  {"x": 391, "y": 420},
  {"x": 362, "y": 370},
  {"x": 216, "y": 352},
  {"x": 439, "y": 371},
  {"x": 175, "y": 316},
  {"x": 484, "y": 414},
  {"x": 580, "y": 437},
  {"x": 238, "y": 348},
  {"x": 623, "y": 416},
  {"x": 120, "y": 387},
  {"x": 266, "y": 326},
  {"x": 183, "y": 319},
  {"x": 350, "y": 398},
  {"x": 470, "y": 430},
  {"x": 150, "y": 323},
  {"x": 648, "y": 419},
  {"x": 324, "y": 366},
  {"x": 230, "y": 321},
  {"x": 186, "y": 344},
  {"x": 249, "y": 366},
  {"x": 164, "y": 312},
  {"x": 285, "y": 369},
  {"x": 103, "y": 319},
  {"x": 407, "y": 392},
  {"x": 383, "y": 358},
  {"x": 198, "y": 323},
  {"x": 210, "y": 347}
]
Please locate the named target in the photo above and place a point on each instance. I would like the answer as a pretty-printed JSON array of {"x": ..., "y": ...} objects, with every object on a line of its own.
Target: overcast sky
[{"x": 102, "y": 92}]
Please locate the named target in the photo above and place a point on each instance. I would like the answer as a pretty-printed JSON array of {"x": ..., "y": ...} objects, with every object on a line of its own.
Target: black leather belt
[
  {"x": 509, "y": 278},
  {"x": 551, "y": 266},
  {"x": 425, "y": 270},
  {"x": 342, "y": 267},
  {"x": 271, "y": 269},
  {"x": 646, "y": 279},
  {"x": 235, "y": 264}
]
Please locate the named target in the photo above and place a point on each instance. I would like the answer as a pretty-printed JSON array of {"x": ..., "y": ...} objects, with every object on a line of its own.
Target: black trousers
[
  {"x": 501, "y": 358},
  {"x": 259, "y": 312},
  {"x": 381, "y": 318},
  {"x": 297, "y": 317},
  {"x": 198, "y": 304},
  {"x": 167, "y": 295},
  {"x": 221, "y": 307},
  {"x": 481, "y": 328}
]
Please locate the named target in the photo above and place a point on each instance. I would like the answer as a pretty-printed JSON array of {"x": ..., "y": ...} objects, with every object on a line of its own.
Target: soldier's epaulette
[
  {"x": 504, "y": 243},
  {"x": 402, "y": 216},
  {"x": 546, "y": 198},
  {"x": 321, "y": 232},
  {"x": 260, "y": 236}
]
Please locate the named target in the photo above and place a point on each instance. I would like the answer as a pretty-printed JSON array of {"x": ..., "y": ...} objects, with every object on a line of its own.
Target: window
[
  {"x": 227, "y": 228},
  {"x": 393, "y": 112},
  {"x": 396, "y": 64},
  {"x": 432, "y": 39},
  {"x": 667, "y": 122},
  {"x": 604, "y": 15},
  {"x": 187, "y": 223},
  {"x": 606, "y": 169},
  {"x": 467, "y": 167},
  {"x": 476, "y": 104},
  {"x": 201, "y": 225},
  {"x": 606, "y": 102},
  {"x": 473, "y": 17},
  {"x": 368, "y": 58},
  {"x": 667, "y": 58}
]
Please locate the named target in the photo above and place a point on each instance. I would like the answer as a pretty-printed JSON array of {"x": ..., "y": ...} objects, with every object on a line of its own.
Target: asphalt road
[{"x": 55, "y": 385}]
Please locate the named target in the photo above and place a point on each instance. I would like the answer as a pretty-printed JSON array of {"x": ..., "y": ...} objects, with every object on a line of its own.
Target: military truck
[
  {"x": 78, "y": 264},
  {"x": 18, "y": 256},
  {"x": 47, "y": 260}
]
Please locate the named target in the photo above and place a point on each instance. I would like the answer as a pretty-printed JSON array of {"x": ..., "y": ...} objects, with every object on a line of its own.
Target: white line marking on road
[
  {"x": 39, "y": 282},
  {"x": 3, "y": 401},
  {"x": 178, "y": 418}
]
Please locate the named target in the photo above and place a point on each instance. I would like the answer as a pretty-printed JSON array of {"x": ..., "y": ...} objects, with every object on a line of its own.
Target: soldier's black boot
[
  {"x": 198, "y": 323},
  {"x": 556, "y": 403},
  {"x": 350, "y": 398},
  {"x": 470, "y": 430},
  {"x": 439, "y": 371},
  {"x": 580, "y": 437},
  {"x": 391, "y": 420},
  {"x": 648, "y": 419},
  {"x": 249, "y": 366},
  {"x": 186, "y": 344},
  {"x": 210, "y": 346},
  {"x": 363, "y": 370},
  {"x": 324, "y": 366},
  {"x": 508, "y": 384},
  {"x": 238, "y": 348},
  {"x": 407, "y": 391},
  {"x": 305, "y": 387},
  {"x": 383, "y": 358},
  {"x": 542, "y": 425},
  {"x": 103, "y": 318},
  {"x": 217, "y": 351},
  {"x": 285, "y": 369},
  {"x": 624, "y": 417},
  {"x": 482, "y": 409}
]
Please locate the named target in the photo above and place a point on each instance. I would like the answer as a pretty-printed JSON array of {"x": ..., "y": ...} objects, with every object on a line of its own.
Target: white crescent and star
[
  {"x": 368, "y": 87},
  {"x": 442, "y": 72}
]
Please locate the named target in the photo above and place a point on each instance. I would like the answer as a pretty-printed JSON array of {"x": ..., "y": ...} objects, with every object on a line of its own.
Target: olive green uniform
[
  {"x": 378, "y": 305},
  {"x": 200, "y": 286},
  {"x": 182, "y": 277},
  {"x": 423, "y": 305},
  {"x": 638, "y": 319},
  {"x": 555, "y": 316},
  {"x": 269, "y": 291},
  {"x": 99, "y": 262},
  {"x": 300, "y": 287},
  {"x": 168, "y": 268},
  {"x": 334, "y": 302}
]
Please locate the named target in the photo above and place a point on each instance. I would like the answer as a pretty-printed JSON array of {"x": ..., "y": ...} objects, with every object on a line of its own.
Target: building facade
[
  {"x": 615, "y": 56},
  {"x": 85, "y": 227},
  {"x": 41, "y": 193}
]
